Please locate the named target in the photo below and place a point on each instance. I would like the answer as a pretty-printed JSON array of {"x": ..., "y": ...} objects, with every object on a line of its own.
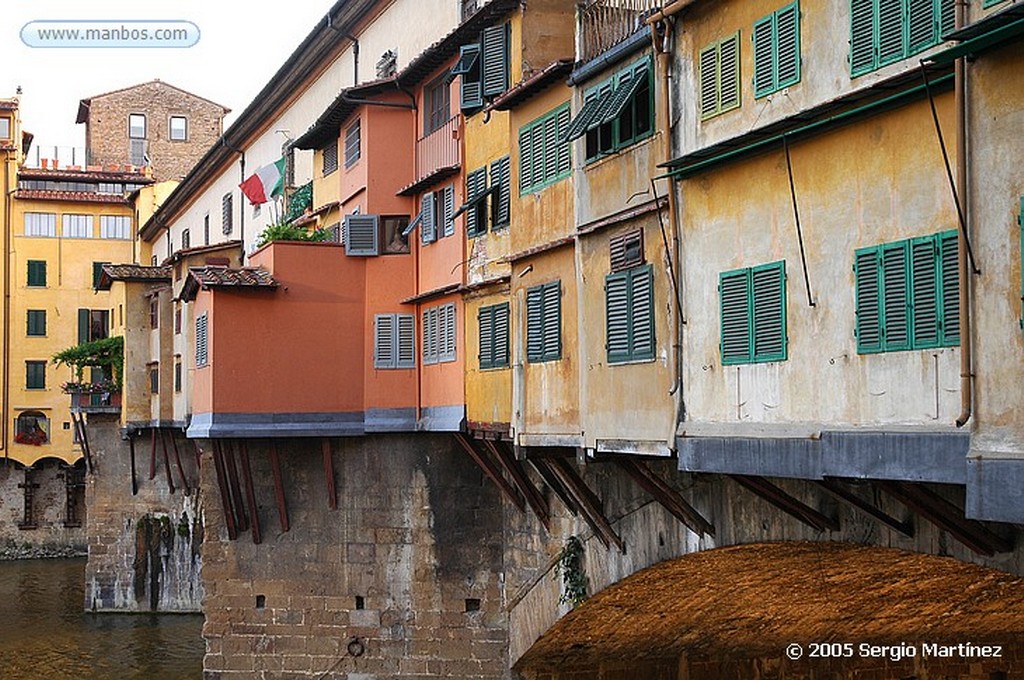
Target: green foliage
[
  {"x": 299, "y": 202},
  {"x": 569, "y": 567},
  {"x": 286, "y": 232},
  {"x": 106, "y": 353}
]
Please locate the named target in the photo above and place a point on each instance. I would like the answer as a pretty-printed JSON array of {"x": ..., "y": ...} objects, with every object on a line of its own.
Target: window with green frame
[
  {"x": 629, "y": 315},
  {"x": 36, "y": 322},
  {"x": 35, "y": 375},
  {"x": 908, "y": 294},
  {"x": 719, "y": 77},
  {"x": 777, "y": 50},
  {"x": 493, "y": 323},
  {"x": 485, "y": 67},
  {"x": 887, "y": 31},
  {"x": 617, "y": 112},
  {"x": 544, "y": 322},
  {"x": 37, "y": 273},
  {"x": 543, "y": 157},
  {"x": 753, "y": 314}
]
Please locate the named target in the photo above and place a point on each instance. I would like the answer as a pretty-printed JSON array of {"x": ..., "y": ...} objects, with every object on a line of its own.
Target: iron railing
[
  {"x": 439, "y": 149},
  {"x": 605, "y": 23}
]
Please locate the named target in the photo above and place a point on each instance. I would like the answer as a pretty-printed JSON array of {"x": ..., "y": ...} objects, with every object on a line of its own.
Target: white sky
[{"x": 242, "y": 44}]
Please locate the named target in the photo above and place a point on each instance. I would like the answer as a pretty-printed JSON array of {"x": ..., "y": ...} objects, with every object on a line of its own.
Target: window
[
  {"x": 436, "y": 105},
  {"x": 719, "y": 79},
  {"x": 177, "y": 129},
  {"x": 76, "y": 226},
  {"x": 186, "y": 239},
  {"x": 93, "y": 324},
  {"x": 484, "y": 67},
  {"x": 154, "y": 378},
  {"x": 5, "y": 128},
  {"x": 351, "y": 144},
  {"x": 37, "y": 273},
  {"x": 908, "y": 294},
  {"x": 40, "y": 224},
  {"x": 330, "y": 156},
  {"x": 626, "y": 250},
  {"x": 629, "y": 315},
  {"x": 617, "y": 112},
  {"x": 543, "y": 157},
  {"x": 501, "y": 180},
  {"x": 470, "y": 88},
  {"x": 35, "y": 375},
  {"x": 394, "y": 343},
  {"x": 36, "y": 323},
  {"x": 435, "y": 218},
  {"x": 753, "y": 314},
  {"x": 476, "y": 203},
  {"x": 439, "y": 334},
  {"x": 136, "y": 126},
  {"x": 177, "y": 318},
  {"x": 493, "y": 322},
  {"x": 32, "y": 427},
  {"x": 177, "y": 375},
  {"x": 777, "y": 50},
  {"x": 115, "y": 226},
  {"x": 393, "y": 234},
  {"x": 227, "y": 213},
  {"x": 97, "y": 272},
  {"x": 206, "y": 229},
  {"x": 154, "y": 313},
  {"x": 886, "y": 31},
  {"x": 202, "y": 341},
  {"x": 544, "y": 322}
]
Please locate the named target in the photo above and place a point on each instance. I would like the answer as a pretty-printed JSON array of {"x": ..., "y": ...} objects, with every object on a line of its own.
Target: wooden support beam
[
  {"x": 250, "y": 494},
  {"x": 177, "y": 459},
  {"x": 541, "y": 466},
  {"x": 282, "y": 504},
  {"x": 514, "y": 468},
  {"x": 131, "y": 449},
  {"x": 237, "y": 504},
  {"x": 83, "y": 437},
  {"x": 332, "y": 494},
  {"x": 783, "y": 501},
  {"x": 668, "y": 497},
  {"x": 199, "y": 456},
  {"x": 492, "y": 472},
  {"x": 225, "y": 495},
  {"x": 947, "y": 517},
  {"x": 588, "y": 502},
  {"x": 167, "y": 460},
  {"x": 841, "y": 492},
  {"x": 152, "y": 453}
]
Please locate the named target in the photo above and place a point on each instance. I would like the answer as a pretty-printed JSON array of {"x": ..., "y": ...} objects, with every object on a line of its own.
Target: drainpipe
[
  {"x": 241, "y": 202},
  {"x": 666, "y": 12},
  {"x": 661, "y": 37},
  {"x": 8, "y": 194},
  {"x": 960, "y": 99}
]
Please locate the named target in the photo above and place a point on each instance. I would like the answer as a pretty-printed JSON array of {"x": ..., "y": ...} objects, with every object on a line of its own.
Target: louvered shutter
[
  {"x": 764, "y": 56},
  {"x": 895, "y": 297},
  {"x": 787, "y": 46},
  {"x": 202, "y": 340},
  {"x": 949, "y": 282},
  {"x": 627, "y": 86},
  {"x": 537, "y": 148},
  {"x": 869, "y": 317},
  {"x": 947, "y": 18},
  {"x": 384, "y": 341},
  {"x": 641, "y": 312},
  {"x": 924, "y": 284},
  {"x": 891, "y": 45},
  {"x": 769, "y": 315},
  {"x": 734, "y": 303},
  {"x": 501, "y": 177},
  {"x": 592, "y": 103},
  {"x": 500, "y": 344},
  {"x": 535, "y": 323},
  {"x": 729, "y": 65},
  {"x": 708, "y": 65},
  {"x": 495, "y": 60},
  {"x": 428, "y": 224},
  {"x": 447, "y": 223},
  {"x": 553, "y": 320},
  {"x": 525, "y": 159},
  {"x": 616, "y": 294},
  {"x": 361, "y": 235},
  {"x": 476, "y": 183},
  {"x": 470, "y": 88},
  {"x": 406, "y": 341},
  {"x": 862, "y": 36},
  {"x": 922, "y": 25},
  {"x": 563, "y": 151},
  {"x": 83, "y": 326},
  {"x": 485, "y": 325},
  {"x": 550, "y": 143},
  {"x": 450, "y": 333}
]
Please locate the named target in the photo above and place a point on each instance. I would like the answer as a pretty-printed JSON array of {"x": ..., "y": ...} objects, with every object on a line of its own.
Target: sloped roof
[
  {"x": 212, "y": 276},
  {"x": 83, "y": 104},
  {"x": 184, "y": 253},
  {"x": 131, "y": 272},
  {"x": 87, "y": 175},
  {"x": 531, "y": 85},
  {"x": 69, "y": 196}
]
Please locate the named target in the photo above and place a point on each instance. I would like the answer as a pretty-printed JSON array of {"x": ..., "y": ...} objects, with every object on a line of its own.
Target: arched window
[{"x": 33, "y": 428}]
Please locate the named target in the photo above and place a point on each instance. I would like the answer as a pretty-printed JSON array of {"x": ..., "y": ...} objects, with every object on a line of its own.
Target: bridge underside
[{"x": 733, "y": 612}]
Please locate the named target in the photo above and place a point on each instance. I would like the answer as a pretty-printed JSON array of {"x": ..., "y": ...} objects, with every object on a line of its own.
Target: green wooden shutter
[
  {"x": 97, "y": 272},
  {"x": 525, "y": 159},
  {"x": 895, "y": 297},
  {"x": 734, "y": 306},
  {"x": 500, "y": 343},
  {"x": 764, "y": 56},
  {"x": 37, "y": 272},
  {"x": 616, "y": 302},
  {"x": 787, "y": 46},
  {"x": 470, "y": 88},
  {"x": 641, "y": 312},
  {"x": 867, "y": 273},
  {"x": 501, "y": 177},
  {"x": 947, "y": 17},
  {"x": 83, "y": 326},
  {"x": 891, "y": 36},
  {"x": 384, "y": 341},
  {"x": 925, "y": 292},
  {"x": 553, "y": 320},
  {"x": 708, "y": 78},
  {"x": 863, "y": 21},
  {"x": 922, "y": 24},
  {"x": 36, "y": 319},
  {"x": 428, "y": 224},
  {"x": 768, "y": 283},
  {"x": 495, "y": 60},
  {"x": 405, "y": 350},
  {"x": 485, "y": 324},
  {"x": 563, "y": 150},
  {"x": 535, "y": 323},
  {"x": 949, "y": 288},
  {"x": 729, "y": 68}
]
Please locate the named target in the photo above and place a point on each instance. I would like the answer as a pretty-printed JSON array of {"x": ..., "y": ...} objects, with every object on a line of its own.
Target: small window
[
  {"x": 37, "y": 273},
  {"x": 186, "y": 239},
  {"x": 629, "y": 315},
  {"x": 36, "y": 323},
  {"x": 154, "y": 314},
  {"x": 544, "y": 322},
  {"x": 330, "y": 156},
  {"x": 493, "y": 323},
  {"x": 115, "y": 226},
  {"x": 393, "y": 235},
  {"x": 616, "y": 113},
  {"x": 436, "y": 105},
  {"x": 501, "y": 180},
  {"x": 777, "y": 50},
  {"x": 719, "y": 80},
  {"x": 76, "y": 226},
  {"x": 177, "y": 318},
  {"x": 93, "y": 324},
  {"x": 544, "y": 151},
  {"x": 32, "y": 427},
  {"x": 394, "y": 343},
  {"x": 884, "y": 32},
  {"x": 5, "y": 128},
  {"x": 177, "y": 129},
  {"x": 439, "y": 334},
  {"x": 35, "y": 375},
  {"x": 202, "y": 341},
  {"x": 206, "y": 229},
  {"x": 470, "y": 88},
  {"x": 476, "y": 203},
  {"x": 227, "y": 213},
  {"x": 753, "y": 314},
  {"x": 177, "y": 375},
  {"x": 352, "y": 144},
  {"x": 154, "y": 378},
  {"x": 626, "y": 250},
  {"x": 136, "y": 126},
  {"x": 40, "y": 224}
]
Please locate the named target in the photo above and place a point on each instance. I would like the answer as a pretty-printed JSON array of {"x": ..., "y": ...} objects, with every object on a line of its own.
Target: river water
[{"x": 45, "y": 634}]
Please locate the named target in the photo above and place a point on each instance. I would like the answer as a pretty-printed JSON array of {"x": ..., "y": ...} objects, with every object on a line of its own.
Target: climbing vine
[
  {"x": 106, "y": 353},
  {"x": 569, "y": 566}
]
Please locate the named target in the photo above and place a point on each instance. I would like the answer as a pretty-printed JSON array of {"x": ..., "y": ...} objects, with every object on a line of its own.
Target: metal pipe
[
  {"x": 666, "y": 12},
  {"x": 960, "y": 99},
  {"x": 796, "y": 218},
  {"x": 241, "y": 203},
  {"x": 8, "y": 194}
]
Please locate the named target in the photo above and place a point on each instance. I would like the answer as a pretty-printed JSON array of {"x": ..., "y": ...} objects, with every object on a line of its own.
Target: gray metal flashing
[
  {"x": 611, "y": 56},
  {"x": 274, "y": 425},
  {"x": 995, "y": 489},
  {"x": 770, "y": 457},
  {"x": 390, "y": 420},
  {"x": 442, "y": 418}
]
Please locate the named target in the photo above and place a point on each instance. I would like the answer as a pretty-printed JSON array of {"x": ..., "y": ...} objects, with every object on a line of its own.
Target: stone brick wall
[
  {"x": 107, "y": 139},
  {"x": 144, "y": 549},
  {"x": 402, "y": 580},
  {"x": 50, "y": 532}
]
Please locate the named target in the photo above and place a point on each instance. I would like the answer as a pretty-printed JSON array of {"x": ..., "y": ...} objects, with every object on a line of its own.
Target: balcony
[
  {"x": 438, "y": 156},
  {"x": 96, "y": 402},
  {"x": 606, "y": 23}
]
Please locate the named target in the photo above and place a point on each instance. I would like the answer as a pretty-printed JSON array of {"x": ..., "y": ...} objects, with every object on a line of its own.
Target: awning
[{"x": 982, "y": 35}]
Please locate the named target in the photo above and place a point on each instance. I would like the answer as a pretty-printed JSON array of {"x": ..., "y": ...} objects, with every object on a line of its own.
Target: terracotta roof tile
[
  {"x": 88, "y": 175},
  {"x": 212, "y": 276},
  {"x": 70, "y": 196},
  {"x": 131, "y": 272}
]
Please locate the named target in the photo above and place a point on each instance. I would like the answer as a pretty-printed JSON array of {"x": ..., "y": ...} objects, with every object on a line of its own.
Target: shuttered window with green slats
[
  {"x": 501, "y": 201},
  {"x": 616, "y": 113},
  {"x": 36, "y": 323},
  {"x": 753, "y": 314},
  {"x": 476, "y": 212},
  {"x": 539, "y": 139},
  {"x": 719, "y": 76},
  {"x": 907, "y": 294},
  {"x": 485, "y": 67},
  {"x": 777, "y": 50},
  {"x": 886, "y": 31},
  {"x": 493, "y": 323},
  {"x": 37, "y": 273},
  {"x": 629, "y": 315},
  {"x": 544, "y": 322}
]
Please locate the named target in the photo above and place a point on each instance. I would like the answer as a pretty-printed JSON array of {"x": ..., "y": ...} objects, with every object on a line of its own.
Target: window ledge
[{"x": 614, "y": 155}]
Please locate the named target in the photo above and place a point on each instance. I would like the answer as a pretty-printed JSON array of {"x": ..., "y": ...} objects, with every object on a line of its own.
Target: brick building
[{"x": 154, "y": 124}]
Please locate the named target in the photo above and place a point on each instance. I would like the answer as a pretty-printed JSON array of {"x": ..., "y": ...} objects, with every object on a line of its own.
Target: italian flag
[{"x": 266, "y": 183}]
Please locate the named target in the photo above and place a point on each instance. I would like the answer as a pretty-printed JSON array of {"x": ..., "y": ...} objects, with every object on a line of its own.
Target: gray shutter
[
  {"x": 867, "y": 271},
  {"x": 734, "y": 303},
  {"x": 616, "y": 303},
  {"x": 448, "y": 224},
  {"x": 470, "y": 87},
  {"x": 428, "y": 227},
  {"x": 361, "y": 235},
  {"x": 83, "y": 326},
  {"x": 641, "y": 312},
  {"x": 787, "y": 30},
  {"x": 925, "y": 286},
  {"x": 202, "y": 341},
  {"x": 406, "y": 341},
  {"x": 384, "y": 341},
  {"x": 495, "y": 60},
  {"x": 485, "y": 327},
  {"x": 447, "y": 332},
  {"x": 535, "y": 323},
  {"x": 769, "y": 316},
  {"x": 502, "y": 178},
  {"x": 708, "y": 77}
]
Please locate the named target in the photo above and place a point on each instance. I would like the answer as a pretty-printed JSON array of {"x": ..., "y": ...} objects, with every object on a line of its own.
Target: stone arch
[{"x": 732, "y": 612}]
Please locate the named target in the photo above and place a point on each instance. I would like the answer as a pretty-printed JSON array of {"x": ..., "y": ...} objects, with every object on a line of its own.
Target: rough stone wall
[
  {"x": 402, "y": 580},
  {"x": 107, "y": 129},
  {"x": 50, "y": 533},
  {"x": 144, "y": 550}
]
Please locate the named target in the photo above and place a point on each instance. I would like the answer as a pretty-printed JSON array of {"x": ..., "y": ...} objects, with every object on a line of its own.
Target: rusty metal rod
[
  {"x": 199, "y": 456},
  {"x": 225, "y": 499},
  {"x": 131, "y": 449},
  {"x": 242, "y": 520},
  {"x": 250, "y": 494},
  {"x": 152, "y": 453},
  {"x": 167, "y": 461},
  {"x": 177, "y": 460},
  {"x": 332, "y": 496},
  {"x": 282, "y": 503}
]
